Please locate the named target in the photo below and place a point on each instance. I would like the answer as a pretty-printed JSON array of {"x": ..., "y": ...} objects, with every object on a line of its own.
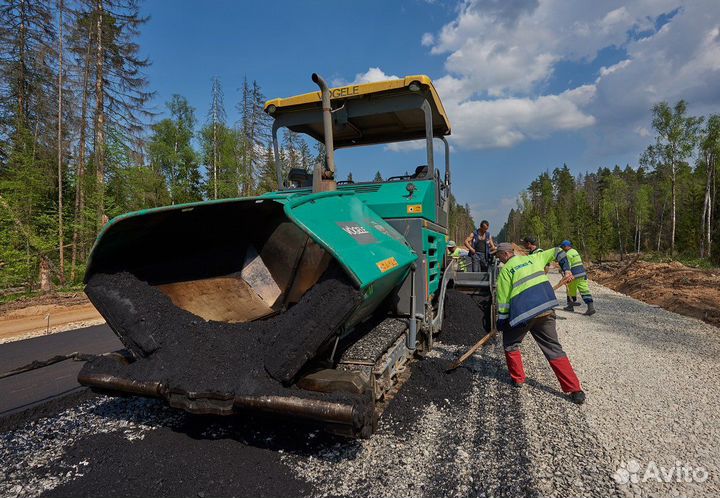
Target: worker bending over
[
  {"x": 525, "y": 304},
  {"x": 457, "y": 255},
  {"x": 580, "y": 282}
]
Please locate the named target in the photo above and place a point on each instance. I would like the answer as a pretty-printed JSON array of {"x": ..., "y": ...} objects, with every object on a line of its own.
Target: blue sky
[{"x": 528, "y": 84}]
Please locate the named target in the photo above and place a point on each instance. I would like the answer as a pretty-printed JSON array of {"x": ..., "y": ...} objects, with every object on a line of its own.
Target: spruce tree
[{"x": 216, "y": 122}]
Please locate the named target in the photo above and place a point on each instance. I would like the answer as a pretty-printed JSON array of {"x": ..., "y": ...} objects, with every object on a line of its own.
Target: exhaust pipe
[{"x": 324, "y": 178}]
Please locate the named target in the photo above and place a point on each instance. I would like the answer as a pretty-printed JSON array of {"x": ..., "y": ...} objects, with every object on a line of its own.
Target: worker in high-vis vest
[
  {"x": 525, "y": 304},
  {"x": 457, "y": 255},
  {"x": 580, "y": 283}
]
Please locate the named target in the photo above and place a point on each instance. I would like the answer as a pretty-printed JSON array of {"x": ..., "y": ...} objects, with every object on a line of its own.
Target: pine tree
[
  {"x": 120, "y": 94},
  {"x": 254, "y": 134},
  {"x": 305, "y": 156},
  {"x": 27, "y": 32},
  {"x": 28, "y": 123},
  {"x": 268, "y": 177},
  {"x": 61, "y": 234},
  {"x": 291, "y": 146},
  {"x": 80, "y": 47},
  {"x": 218, "y": 146},
  {"x": 216, "y": 121}
]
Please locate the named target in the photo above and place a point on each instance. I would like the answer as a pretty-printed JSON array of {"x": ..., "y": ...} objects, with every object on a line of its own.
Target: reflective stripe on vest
[{"x": 576, "y": 264}]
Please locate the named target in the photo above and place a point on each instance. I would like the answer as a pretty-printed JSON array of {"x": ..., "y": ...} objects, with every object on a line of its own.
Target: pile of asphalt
[
  {"x": 466, "y": 318},
  {"x": 187, "y": 353}
]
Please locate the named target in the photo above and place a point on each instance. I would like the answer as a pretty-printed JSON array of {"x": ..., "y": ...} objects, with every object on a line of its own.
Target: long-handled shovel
[
  {"x": 472, "y": 350},
  {"x": 562, "y": 282}
]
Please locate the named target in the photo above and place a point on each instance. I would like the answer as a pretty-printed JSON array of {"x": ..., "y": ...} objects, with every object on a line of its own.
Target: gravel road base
[
  {"x": 650, "y": 416},
  {"x": 652, "y": 382}
]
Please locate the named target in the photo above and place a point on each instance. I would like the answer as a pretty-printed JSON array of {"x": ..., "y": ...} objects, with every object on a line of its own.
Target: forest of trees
[
  {"x": 76, "y": 148},
  {"x": 666, "y": 204},
  {"x": 80, "y": 142},
  {"x": 461, "y": 222}
]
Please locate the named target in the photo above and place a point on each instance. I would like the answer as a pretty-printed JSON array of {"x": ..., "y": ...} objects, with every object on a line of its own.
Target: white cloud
[
  {"x": 642, "y": 131},
  {"x": 406, "y": 146},
  {"x": 372, "y": 75},
  {"x": 505, "y": 122},
  {"x": 506, "y": 47},
  {"x": 604, "y": 71},
  {"x": 500, "y": 54},
  {"x": 680, "y": 61}
]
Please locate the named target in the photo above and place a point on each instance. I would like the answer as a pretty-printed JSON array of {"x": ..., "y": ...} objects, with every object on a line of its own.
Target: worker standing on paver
[
  {"x": 580, "y": 282},
  {"x": 480, "y": 245},
  {"x": 525, "y": 304},
  {"x": 456, "y": 254}
]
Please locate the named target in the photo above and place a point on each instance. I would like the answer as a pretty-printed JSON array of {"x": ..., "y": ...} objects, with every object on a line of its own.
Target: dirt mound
[
  {"x": 185, "y": 352},
  {"x": 687, "y": 291}
]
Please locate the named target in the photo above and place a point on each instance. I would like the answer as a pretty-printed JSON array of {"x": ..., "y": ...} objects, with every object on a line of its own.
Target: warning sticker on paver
[
  {"x": 414, "y": 208},
  {"x": 387, "y": 264}
]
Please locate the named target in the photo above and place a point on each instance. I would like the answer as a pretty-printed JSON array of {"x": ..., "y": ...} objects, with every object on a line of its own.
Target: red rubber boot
[
  {"x": 515, "y": 366},
  {"x": 565, "y": 374}
]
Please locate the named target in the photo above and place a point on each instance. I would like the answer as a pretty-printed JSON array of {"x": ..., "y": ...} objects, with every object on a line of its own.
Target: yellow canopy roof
[{"x": 380, "y": 112}]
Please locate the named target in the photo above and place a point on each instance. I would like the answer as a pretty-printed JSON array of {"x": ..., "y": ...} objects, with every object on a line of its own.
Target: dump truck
[{"x": 307, "y": 302}]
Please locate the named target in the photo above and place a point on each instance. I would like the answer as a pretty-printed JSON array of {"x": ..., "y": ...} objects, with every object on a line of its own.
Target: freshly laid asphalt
[{"x": 27, "y": 389}]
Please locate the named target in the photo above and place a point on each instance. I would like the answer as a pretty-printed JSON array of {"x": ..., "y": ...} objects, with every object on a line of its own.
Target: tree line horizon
[{"x": 666, "y": 204}]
